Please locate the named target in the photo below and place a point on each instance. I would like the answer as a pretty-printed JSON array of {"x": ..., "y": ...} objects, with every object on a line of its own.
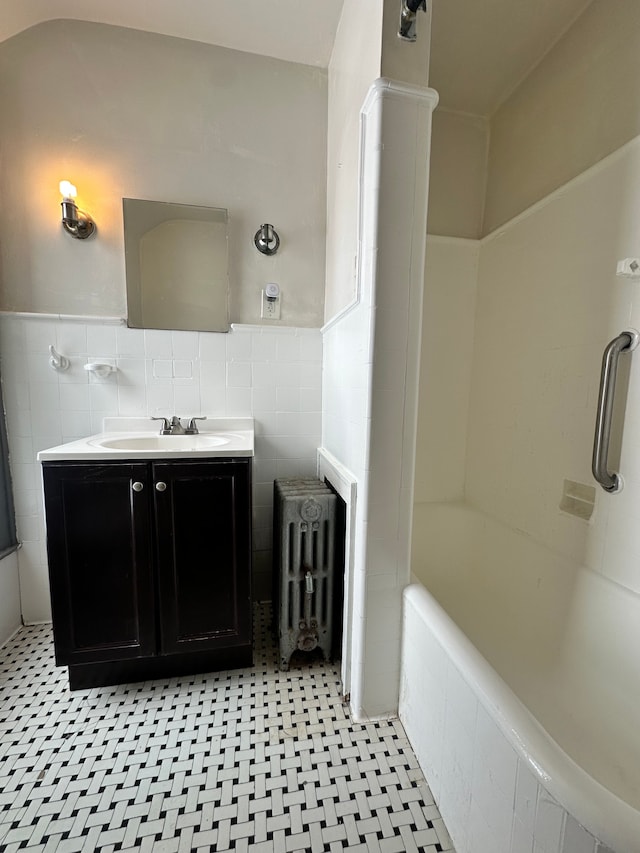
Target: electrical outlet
[{"x": 270, "y": 309}]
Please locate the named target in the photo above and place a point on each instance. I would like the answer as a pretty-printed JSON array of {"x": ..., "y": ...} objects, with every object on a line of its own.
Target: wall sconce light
[
  {"x": 267, "y": 240},
  {"x": 75, "y": 222}
]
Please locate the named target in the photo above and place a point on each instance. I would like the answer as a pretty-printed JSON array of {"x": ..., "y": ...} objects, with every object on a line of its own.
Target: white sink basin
[
  {"x": 138, "y": 438},
  {"x": 164, "y": 442}
]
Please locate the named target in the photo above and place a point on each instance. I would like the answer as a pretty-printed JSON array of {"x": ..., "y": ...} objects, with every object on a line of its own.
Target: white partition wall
[{"x": 370, "y": 380}]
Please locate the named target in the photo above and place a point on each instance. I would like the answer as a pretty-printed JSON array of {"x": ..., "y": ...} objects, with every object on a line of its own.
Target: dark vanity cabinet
[{"x": 149, "y": 566}]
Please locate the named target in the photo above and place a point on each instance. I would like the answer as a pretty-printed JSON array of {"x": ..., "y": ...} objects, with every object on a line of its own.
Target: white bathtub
[{"x": 520, "y": 690}]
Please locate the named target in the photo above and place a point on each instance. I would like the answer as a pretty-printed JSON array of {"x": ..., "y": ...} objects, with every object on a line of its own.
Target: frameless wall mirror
[{"x": 176, "y": 262}]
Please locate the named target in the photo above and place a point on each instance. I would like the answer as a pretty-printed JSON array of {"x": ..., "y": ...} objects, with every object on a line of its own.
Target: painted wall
[
  {"x": 366, "y": 47},
  {"x": 272, "y": 374},
  {"x": 576, "y": 107},
  {"x": 457, "y": 174},
  {"x": 9, "y": 597},
  {"x": 355, "y": 64},
  {"x": 104, "y": 107},
  {"x": 448, "y": 319},
  {"x": 402, "y": 60}
]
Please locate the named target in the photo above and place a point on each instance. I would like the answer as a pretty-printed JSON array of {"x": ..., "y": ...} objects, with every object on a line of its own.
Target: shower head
[{"x": 408, "y": 12}]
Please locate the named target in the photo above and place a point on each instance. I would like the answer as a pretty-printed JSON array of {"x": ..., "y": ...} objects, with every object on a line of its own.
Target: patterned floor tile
[{"x": 246, "y": 760}]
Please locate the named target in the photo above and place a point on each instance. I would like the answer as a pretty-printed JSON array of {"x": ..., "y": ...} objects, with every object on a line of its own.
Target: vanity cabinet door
[
  {"x": 203, "y": 526},
  {"x": 99, "y": 546}
]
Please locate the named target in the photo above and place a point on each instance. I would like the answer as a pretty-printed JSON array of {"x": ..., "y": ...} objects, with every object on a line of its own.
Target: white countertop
[{"x": 139, "y": 438}]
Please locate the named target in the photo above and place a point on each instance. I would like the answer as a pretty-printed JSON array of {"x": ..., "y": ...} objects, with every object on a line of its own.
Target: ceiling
[
  {"x": 294, "y": 30},
  {"x": 481, "y": 49}
]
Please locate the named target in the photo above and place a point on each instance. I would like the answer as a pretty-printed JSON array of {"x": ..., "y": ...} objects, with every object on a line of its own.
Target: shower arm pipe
[{"x": 624, "y": 342}]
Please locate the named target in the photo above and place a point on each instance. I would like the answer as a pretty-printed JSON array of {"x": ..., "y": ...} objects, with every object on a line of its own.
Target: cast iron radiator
[{"x": 304, "y": 534}]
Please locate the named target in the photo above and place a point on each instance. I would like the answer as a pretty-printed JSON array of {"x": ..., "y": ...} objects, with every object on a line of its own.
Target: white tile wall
[
  {"x": 486, "y": 793},
  {"x": 273, "y": 374}
]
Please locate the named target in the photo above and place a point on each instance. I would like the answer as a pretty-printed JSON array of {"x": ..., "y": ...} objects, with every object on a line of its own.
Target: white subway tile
[
  {"x": 239, "y": 374},
  {"x": 526, "y": 797},
  {"x": 40, "y": 335},
  {"x": 21, "y": 449},
  {"x": 23, "y": 476},
  {"x": 213, "y": 374},
  {"x": 130, "y": 342},
  {"x": 501, "y": 755},
  {"x": 311, "y": 347},
  {"x": 263, "y": 347},
  {"x": 287, "y": 375},
  {"x": 76, "y": 423},
  {"x": 288, "y": 399},
  {"x": 310, "y": 375},
  {"x": 103, "y": 397},
  {"x": 264, "y": 471},
  {"x": 71, "y": 339},
  {"x": 131, "y": 372},
  {"x": 28, "y": 503},
  {"x": 132, "y": 400},
  {"x": 162, "y": 368},
  {"x": 288, "y": 348},
  {"x": 264, "y": 375},
  {"x": 461, "y": 700},
  {"x": 28, "y": 528},
  {"x": 310, "y": 400},
  {"x": 187, "y": 401},
  {"x": 263, "y": 400},
  {"x": 160, "y": 400},
  {"x": 74, "y": 398},
  {"x": 549, "y": 823},
  {"x": 184, "y": 369},
  {"x": 576, "y": 838},
  {"x": 521, "y": 838},
  {"x": 288, "y": 423},
  {"x": 16, "y": 396},
  {"x": 39, "y": 369},
  {"x": 266, "y": 423},
  {"x": 213, "y": 401},
  {"x": 97, "y": 420},
  {"x": 158, "y": 343},
  {"x": 44, "y": 396},
  {"x": 46, "y": 423},
  {"x": 213, "y": 346},
  {"x": 75, "y": 374},
  {"x": 101, "y": 340},
  {"x": 263, "y": 494},
  {"x": 239, "y": 346},
  {"x": 185, "y": 345},
  {"x": 238, "y": 402}
]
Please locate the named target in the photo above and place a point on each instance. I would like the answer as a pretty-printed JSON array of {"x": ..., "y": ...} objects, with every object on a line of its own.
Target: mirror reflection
[{"x": 176, "y": 265}]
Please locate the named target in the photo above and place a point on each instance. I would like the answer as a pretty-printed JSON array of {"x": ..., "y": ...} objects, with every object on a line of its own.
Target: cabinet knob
[
  {"x": 137, "y": 487},
  {"x": 160, "y": 487}
]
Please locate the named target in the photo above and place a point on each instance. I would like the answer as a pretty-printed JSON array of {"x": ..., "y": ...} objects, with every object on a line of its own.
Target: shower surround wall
[
  {"x": 547, "y": 302},
  {"x": 272, "y": 374}
]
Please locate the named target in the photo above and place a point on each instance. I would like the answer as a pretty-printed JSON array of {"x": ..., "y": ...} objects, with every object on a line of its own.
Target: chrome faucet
[{"x": 174, "y": 426}]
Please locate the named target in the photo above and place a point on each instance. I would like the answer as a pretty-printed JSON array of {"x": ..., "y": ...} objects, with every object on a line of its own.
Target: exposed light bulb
[{"x": 67, "y": 189}]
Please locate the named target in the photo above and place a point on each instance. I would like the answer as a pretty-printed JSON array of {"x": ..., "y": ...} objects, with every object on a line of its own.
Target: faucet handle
[
  {"x": 192, "y": 423},
  {"x": 165, "y": 424}
]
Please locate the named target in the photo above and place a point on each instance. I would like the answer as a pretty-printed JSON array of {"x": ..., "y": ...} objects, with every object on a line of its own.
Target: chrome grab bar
[{"x": 625, "y": 342}]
